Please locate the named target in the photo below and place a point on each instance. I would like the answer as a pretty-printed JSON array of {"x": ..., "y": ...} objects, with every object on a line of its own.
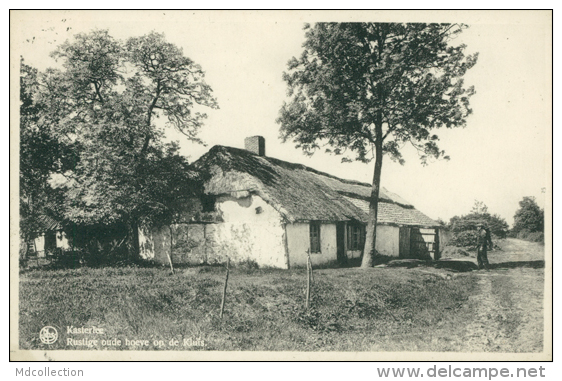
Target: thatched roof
[
  {"x": 298, "y": 192},
  {"x": 43, "y": 223},
  {"x": 47, "y": 223}
]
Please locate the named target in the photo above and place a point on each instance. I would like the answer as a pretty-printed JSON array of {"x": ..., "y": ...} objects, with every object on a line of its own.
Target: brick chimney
[{"x": 255, "y": 144}]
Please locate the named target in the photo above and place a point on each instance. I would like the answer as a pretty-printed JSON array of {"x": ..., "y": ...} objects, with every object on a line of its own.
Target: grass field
[{"x": 380, "y": 309}]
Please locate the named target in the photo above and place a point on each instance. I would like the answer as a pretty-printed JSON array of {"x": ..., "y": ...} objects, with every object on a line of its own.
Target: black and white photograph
[{"x": 281, "y": 185}]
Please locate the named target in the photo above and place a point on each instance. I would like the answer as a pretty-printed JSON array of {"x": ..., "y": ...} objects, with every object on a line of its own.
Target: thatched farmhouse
[
  {"x": 273, "y": 212},
  {"x": 49, "y": 235}
]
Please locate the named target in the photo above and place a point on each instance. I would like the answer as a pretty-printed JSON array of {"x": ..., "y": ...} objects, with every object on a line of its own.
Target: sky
[{"x": 502, "y": 155}]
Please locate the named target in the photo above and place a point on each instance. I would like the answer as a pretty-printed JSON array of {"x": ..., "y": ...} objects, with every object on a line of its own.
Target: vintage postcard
[{"x": 281, "y": 185}]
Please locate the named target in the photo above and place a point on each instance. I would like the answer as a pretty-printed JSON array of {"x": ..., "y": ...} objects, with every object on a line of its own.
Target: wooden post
[
  {"x": 436, "y": 246},
  {"x": 225, "y": 286},
  {"x": 310, "y": 262},
  {"x": 308, "y": 278},
  {"x": 286, "y": 244},
  {"x": 205, "y": 243},
  {"x": 170, "y": 253}
]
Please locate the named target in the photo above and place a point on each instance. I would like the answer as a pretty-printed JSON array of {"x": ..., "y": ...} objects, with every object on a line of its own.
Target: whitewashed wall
[
  {"x": 62, "y": 240},
  {"x": 146, "y": 243},
  {"x": 298, "y": 242},
  {"x": 40, "y": 245},
  {"x": 252, "y": 230},
  {"x": 388, "y": 240}
]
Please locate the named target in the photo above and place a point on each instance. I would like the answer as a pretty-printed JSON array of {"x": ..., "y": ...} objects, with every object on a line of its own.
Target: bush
[
  {"x": 522, "y": 234},
  {"x": 536, "y": 237},
  {"x": 531, "y": 236},
  {"x": 247, "y": 264},
  {"x": 467, "y": 239},
  {"x": 68, "y": 259},
  {"x": 454, "y": 252},
  {"x": 497, "y": 225}
]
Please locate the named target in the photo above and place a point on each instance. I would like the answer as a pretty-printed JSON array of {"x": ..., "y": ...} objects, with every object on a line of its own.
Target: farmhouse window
[
  {"x": 355, "y": 237},
  {"x": 208, "y": 203},
  {"x": 315, "y": 237}
]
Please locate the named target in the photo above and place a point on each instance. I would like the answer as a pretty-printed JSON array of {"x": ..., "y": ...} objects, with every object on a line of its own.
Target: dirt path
[
  {"x": 508, "y": 306},
  {"x": 516, "y": 250}
]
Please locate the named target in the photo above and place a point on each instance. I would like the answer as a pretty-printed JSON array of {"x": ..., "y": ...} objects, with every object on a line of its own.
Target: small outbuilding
[
  {"x": 272, "y": 212},
  {"x": 48, "y": 236}
]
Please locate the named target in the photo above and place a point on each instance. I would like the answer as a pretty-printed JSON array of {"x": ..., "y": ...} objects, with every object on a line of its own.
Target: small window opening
[
  {"x": 208, "y": 203},
  {"x": 355, "y": 237},
  {"x": 315, "y": 237}
]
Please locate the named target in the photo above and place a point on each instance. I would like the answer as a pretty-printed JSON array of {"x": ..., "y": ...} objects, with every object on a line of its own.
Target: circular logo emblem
[{"x": 48, "y": 335}]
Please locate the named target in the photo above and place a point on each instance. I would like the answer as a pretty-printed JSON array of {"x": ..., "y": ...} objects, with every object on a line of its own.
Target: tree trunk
[
  {"x": 133, "y": 240},
  {"x": 371, "y": 231}
]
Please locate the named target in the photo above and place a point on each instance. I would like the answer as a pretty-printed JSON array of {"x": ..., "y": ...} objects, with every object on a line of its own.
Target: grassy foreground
[{"x": 147, "y": 309}]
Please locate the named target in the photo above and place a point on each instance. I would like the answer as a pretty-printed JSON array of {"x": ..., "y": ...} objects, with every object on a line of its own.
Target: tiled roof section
[
  {"x": 391, "y": 213},
  {"x": 298, "y": 192},
  {"x": 360, "y": 204},
  {"x": 396, "y": 214}
]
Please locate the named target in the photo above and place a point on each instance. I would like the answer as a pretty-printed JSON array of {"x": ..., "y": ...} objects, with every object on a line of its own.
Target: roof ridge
[
  {"x": 303, "y": 193},
  {"x": 294, "y": 165}
]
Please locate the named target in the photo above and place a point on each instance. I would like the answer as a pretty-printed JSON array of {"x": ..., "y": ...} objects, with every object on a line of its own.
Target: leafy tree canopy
[
  {"x": 479, "y": 214},
  {"x": 104, "y": 103},
  {"x": 529, "y": 216},
  {"x": 353, "y": 78},
  {"x": 41, "y": 154},
  {"x": 371, "y": 88}
]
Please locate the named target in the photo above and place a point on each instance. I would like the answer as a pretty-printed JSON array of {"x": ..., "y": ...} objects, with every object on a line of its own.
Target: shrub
[
  {"x": 536, "y": 237},
  {"x": 68, "y": 259},
  {"x": 467, "y": 239},
  {"x": 512, "y": 234},
  {"x": 247, "y": 264},
  {"x": 522, "y": 234},
  {"x": 454, "y": 252},
  {"x": 497, "y": 225},
  {"x": 531, "y": 236}
]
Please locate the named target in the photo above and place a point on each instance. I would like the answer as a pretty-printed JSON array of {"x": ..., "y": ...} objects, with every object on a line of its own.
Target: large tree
[
  {"x": 370, "y": 88},
  {"x": 41, "y": 155},
  {"x": 529, "y": 216},
  {"x": 106, "y": 101}
]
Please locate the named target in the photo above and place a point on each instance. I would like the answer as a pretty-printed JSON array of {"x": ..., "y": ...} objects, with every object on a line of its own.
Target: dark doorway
[
  {"x": 50, "y": 241},
  {"x": 404, "y": 242},
  {"x": 340, "y": 242}
]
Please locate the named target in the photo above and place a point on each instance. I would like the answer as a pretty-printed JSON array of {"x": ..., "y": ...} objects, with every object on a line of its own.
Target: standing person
[{"x": 484, "y": 241}]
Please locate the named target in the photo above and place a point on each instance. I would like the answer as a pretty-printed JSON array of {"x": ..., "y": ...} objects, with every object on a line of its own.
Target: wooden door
[
  {"x": 404, "y": 242},
  {"x": 340, "y": 243}
]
